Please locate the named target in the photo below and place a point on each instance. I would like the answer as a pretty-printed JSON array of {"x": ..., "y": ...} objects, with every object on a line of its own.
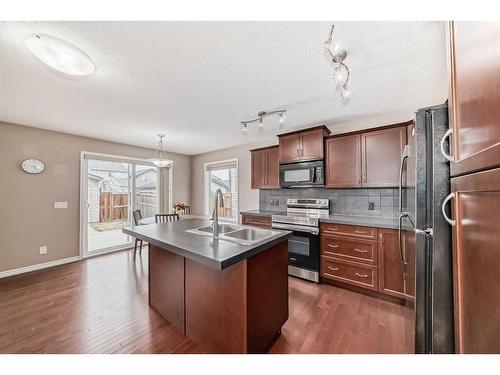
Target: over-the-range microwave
[{"x": 302, "y": 174}]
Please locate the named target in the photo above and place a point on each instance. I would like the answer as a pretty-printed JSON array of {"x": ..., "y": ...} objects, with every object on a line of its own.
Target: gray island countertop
[
  {"x": 219, "y": 254},
  {"x": 366, "y": 221}
]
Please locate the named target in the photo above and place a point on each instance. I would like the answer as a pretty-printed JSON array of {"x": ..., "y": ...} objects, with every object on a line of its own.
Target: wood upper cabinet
[
  {"x": 289, "y": 148},
  {"x": 343, "y": 161},
  {"x": 311, "y": 144},
  {"x": 273, "y": 168},
  {"x": 476, "y": 261},
  {"x": 368, "y": 159},
  {"x": 381, "y": 156},
  {"x": 302, "y": 145},
  {"x": 475, "y": 96},
  {"x": 265, "y": 168},
  {"x": 392, "y": 280}
]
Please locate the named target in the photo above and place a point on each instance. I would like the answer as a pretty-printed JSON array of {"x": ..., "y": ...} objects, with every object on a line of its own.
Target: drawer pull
[
  {"x": 361, "y": 232},
  {"x": 361, "y": 274},
  {"x": 361, "y": 250},
  {"x": 333, "y": 246},
  {"x": 333, "y": 268}
]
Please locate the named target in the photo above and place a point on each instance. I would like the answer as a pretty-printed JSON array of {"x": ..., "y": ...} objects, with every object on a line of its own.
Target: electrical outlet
[
  {"x": 371, "y": 206},
  {"x": 60, "y": 204},
  {"x": 43, "y": 250}
]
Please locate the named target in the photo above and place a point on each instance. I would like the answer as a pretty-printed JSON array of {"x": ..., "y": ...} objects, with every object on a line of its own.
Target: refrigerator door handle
[
  {"x": 404, "y": 263},
  {"x": 446, "y": 200},
  {"x": 446, "y": 135},
  {"x": 404, "y": 156}
]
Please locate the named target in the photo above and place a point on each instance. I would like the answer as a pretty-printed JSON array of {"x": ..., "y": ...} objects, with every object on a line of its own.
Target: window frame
[{"x": 206, "y": 195}]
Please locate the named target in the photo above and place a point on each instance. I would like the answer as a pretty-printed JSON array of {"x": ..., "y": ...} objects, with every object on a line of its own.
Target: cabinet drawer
[
  {"x": 357, "y": 250},
  {"x": 349, "y": 230},
  {"x": 352, "y": 273},
  {"x": 260, "y": 221}
]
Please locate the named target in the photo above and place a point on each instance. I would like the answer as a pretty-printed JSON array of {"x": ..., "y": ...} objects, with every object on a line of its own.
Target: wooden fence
[
  {"x": 114, "y": 206},
  {"x": 146, "y": 202}
]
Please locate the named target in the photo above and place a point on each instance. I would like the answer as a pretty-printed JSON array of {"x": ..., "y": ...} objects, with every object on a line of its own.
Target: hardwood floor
[{"x": 99, "y": 305}]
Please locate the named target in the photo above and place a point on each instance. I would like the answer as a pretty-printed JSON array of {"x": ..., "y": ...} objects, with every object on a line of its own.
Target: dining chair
[
  {"x": 163, "y": 218},
  {"x": 137, "y": 216},
  {"x": 187, "y": 210}
]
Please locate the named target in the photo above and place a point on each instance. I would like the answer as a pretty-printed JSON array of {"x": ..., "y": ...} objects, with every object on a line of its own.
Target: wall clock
[{"x": 33, "y": 166}]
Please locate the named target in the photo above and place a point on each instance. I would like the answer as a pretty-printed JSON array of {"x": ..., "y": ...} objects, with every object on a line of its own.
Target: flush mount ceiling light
[
  {"x": 341, "y": 73},
  {"x": 260, "y": 118},
  {"x": 160, "y": 156},
  {"x": 60, "y": 55}
]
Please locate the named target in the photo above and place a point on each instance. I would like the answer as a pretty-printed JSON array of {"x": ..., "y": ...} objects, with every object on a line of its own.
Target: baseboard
[{"x": 39, "y": 266}]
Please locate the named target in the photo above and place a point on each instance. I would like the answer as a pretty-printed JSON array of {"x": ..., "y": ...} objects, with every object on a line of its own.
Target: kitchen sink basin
[
  {"x": 223, "y": 228},
  {"x": 236, "y": 233},
  {"x": 250, "y": 234}
]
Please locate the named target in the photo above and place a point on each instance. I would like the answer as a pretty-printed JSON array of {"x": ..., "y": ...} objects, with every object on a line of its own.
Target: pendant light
[{"x": 160, "y": 156}]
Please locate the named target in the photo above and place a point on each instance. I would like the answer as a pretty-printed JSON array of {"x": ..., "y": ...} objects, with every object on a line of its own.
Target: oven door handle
[{"x": 294, "y": 228}]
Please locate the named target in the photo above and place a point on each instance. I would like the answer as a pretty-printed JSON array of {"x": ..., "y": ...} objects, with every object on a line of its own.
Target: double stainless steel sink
[{"x": 241, "y": 234}]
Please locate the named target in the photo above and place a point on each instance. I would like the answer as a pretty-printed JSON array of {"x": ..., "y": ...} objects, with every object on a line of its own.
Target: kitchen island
[{"x": 226, "y": 296}]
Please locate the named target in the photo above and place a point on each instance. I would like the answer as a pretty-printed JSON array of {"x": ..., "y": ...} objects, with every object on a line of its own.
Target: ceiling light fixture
[
  {"x": 260, "y": 118},
  {"x": 60, "y": 55},
  {"x": 160, "y": 156},
  {"x": 341, "y": 73}
]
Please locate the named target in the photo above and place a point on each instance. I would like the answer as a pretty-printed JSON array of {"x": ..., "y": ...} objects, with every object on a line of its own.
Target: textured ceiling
[{"x": 195, "y": 81}]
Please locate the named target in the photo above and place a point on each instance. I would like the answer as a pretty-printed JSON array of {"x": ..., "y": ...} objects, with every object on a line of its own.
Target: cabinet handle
[
  {"x": 446, "y": 200},
  {"x": 446, "y": 135},
  {"x": 360, "y": 250},
  {"x": 333, "y": 246},
  {"x": 360, "y": 232},
  {"x": 333, "y": 268},
  {"x": 361, "y": 274},
  {"x": 298, "y": 152}
]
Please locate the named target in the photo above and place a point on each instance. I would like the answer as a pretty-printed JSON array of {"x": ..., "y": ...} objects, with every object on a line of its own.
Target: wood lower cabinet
[
  {"x": 265, "y": 168},
  {"x": 476, "y": 261},
  {"x": 256, "y": 220},
  {"x": 343, "y": 161},
  {"x": 349, "y": 255},
  {"x": 392, "y": 279},
  {"x": 369, "y": 258},
  {"x": 349, "y": 230},
  {"x": 381, "y": 156},
  {"x": 474, "y": 112},
  {"x": 302, "y": 145},
  {"x": 353, "y": 273}
]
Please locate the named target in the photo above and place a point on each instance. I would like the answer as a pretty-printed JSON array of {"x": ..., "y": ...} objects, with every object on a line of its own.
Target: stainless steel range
[{"x": 302, "y": 217}]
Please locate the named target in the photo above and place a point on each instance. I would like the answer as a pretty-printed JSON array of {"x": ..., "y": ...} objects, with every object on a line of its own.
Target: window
[{"x": 222, "y": 175}]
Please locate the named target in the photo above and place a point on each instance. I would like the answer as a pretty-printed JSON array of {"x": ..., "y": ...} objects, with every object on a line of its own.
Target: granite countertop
[
  {"x": 219, "y": 254},
  {"x": 366, "y": 221}
]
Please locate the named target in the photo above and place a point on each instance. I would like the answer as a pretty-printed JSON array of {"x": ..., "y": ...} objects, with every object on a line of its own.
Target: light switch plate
[
  {"x": 60, "y": 204},
  {"x": 43, "y": 250}
]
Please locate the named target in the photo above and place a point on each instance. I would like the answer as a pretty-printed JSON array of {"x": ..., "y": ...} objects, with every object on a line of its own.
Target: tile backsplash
[{"x": 354, "y": 202}]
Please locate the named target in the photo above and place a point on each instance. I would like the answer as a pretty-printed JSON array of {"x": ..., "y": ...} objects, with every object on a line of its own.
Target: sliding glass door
[{"x": 113, "y": 190}]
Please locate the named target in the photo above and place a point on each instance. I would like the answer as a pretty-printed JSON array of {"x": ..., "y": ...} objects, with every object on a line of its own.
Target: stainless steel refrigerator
[{"x": 428, "y": 184}]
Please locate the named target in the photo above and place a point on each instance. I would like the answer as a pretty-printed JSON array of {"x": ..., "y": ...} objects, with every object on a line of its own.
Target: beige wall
[
  {"x": 248, "y": 198},
  {"x": 28, "y": 219}
]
